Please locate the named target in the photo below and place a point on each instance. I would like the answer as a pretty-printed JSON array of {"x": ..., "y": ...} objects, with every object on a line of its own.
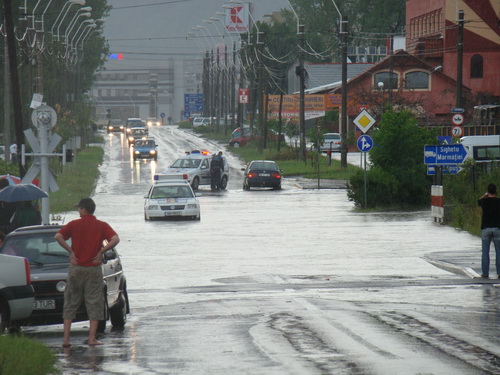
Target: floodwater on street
[{"x": 294, "y": 281}]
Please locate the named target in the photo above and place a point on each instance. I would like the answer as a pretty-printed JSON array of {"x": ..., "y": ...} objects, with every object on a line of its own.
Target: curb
[{"x": 450, "y": 267}]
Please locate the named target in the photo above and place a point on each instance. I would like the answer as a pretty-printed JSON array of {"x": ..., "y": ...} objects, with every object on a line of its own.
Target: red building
[
  {"x": 432, "y": 35},
  {"x": 404, "y": 81}
]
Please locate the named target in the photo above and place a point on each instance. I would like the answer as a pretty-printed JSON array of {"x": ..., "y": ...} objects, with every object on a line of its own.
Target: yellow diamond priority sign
[{"x": 364, "y": 121}]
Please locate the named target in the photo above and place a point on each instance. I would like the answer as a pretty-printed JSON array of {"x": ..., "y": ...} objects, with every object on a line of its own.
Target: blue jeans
[{"x": 487, "y": 235}]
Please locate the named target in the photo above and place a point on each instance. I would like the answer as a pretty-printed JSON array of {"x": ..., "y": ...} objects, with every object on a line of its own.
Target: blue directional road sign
[
  {"x": 445, "y": 169},
  {"x": 444, "y": 154},
  {"x": 193, "y": 102},
  {"x": 365, "y": 143}
]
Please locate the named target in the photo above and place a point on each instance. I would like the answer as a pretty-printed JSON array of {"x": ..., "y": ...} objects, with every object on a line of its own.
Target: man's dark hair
[
  {"x": 492, "y": 189},
  {"x": 88, "y": 204}
]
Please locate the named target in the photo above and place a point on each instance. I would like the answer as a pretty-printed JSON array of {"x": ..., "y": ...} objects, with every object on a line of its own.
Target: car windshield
[
  {"x": 116, "y": 122},
  {"x": 186, "y": 163},
  {"x": 144, "y": 143},
  {"x": 40, "y": 248},
  {"x": 134, "y": 123},
  {"x": 263, "y": 166},
  {"x": 161, "y": 192},
  {"x": 138, "y": 132},
  {"x": 332, "y": 137}
]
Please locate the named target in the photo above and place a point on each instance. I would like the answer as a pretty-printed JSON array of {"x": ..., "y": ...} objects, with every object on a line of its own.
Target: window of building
[
  {"x": 390, "y": 82},
  {"x": 476, "y": 66},
  {"x": 417, "y": 80}
]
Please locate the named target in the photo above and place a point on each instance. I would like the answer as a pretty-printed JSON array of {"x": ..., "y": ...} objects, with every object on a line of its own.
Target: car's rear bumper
[
  {"x": 20, "y": 300},
  {"x": 263, "y": 182}
]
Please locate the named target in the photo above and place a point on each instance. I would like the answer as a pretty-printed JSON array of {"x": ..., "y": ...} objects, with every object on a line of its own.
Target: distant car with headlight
[
  {"x": 115, "y": 125},
  {"x": 152, "y": 121},
  {"x": 194, "y": 167},
  {"x": 169, "y": 198},
  {"x": 135, "y": 134},
  {"x": 49, "y": 264},
  {"x": 145, "y": 149}
]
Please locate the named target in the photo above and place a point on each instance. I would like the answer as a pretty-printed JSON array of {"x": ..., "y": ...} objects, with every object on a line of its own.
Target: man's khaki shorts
[{"x": 84, "y": 284}]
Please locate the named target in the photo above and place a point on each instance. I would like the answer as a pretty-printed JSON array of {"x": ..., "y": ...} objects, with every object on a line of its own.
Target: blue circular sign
[
  {"x": 162, "y": 114},
  {"x": 365, "y": 143}
]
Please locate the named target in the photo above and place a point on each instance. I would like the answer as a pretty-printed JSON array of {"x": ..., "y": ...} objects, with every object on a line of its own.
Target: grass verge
[
  {"x": 21, "y": 356},
  {"x": 77, "y": 181}
]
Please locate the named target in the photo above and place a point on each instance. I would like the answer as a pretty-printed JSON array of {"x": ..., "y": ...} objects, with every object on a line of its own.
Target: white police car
[
  {"x": 170, "y": 197},
  {"x": 194, "y": 167}
]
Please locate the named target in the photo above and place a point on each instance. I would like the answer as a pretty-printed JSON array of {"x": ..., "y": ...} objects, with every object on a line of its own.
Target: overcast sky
[{"x": 155, "y": 30}]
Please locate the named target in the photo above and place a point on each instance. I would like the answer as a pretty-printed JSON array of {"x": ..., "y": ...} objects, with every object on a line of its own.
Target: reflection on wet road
[{"x": 280, "y": 282}]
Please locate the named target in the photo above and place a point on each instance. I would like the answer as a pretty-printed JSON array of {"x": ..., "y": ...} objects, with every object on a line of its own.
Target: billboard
[{"x": 236, "y": 21}]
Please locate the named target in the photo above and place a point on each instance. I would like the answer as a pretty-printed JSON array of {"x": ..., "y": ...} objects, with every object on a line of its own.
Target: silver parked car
[
  {"x": 49, "y": 264},
  {"x": 331, "y": 142}
]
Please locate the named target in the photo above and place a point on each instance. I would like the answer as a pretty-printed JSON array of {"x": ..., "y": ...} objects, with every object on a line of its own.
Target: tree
[{"x": 397, "y": 175}]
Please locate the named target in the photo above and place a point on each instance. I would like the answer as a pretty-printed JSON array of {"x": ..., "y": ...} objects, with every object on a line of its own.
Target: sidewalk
[{"x": 464, "y": 263}]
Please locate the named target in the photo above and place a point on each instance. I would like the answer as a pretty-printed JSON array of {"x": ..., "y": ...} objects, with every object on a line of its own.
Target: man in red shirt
[{"x": 85, "y": 273}]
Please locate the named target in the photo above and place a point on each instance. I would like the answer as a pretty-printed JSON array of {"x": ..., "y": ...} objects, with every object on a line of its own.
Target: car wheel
[
  {"x": 196, "y": 183},
  {"x": 236, "y": 144},
  {"x": 118, "y": 313},
  {"x": 223, "y": 183},
  {"x": 145, "y": 217},
  {"x": 245, "y": 186},
  {"x": 101, "y": 326},
  {"x": 277, "y": 187}
]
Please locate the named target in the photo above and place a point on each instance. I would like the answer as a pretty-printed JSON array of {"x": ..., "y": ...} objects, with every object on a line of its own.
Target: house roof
[
  {"x": 399, "y": 58},
  {"x": 323, "y": 74}
]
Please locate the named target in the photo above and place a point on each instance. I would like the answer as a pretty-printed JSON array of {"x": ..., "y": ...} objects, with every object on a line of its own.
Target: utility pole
[
  {"x": 233, "y": 88},
  {"x": 343, "y": 117},
  {"x": 206, "y": 85},
  {"x": 302, "y": 107},
  {"x": 6, "y": 105},
  {"x": 460, "y": 55},
  {"x": 260, "y": 49},
  {"x": 14, "y": 80}
]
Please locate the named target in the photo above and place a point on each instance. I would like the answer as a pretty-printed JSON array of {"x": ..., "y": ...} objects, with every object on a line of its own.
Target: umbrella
[
  {"x": 14, "y": 180},
  {"x": 21, "y": 192}
]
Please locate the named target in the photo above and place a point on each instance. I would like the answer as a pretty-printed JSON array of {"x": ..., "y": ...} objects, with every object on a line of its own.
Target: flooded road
[{"x": 280, "y": 282}]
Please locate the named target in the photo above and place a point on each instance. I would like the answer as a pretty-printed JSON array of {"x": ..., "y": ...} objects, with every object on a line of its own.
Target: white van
[{"x": 482, "y": 147}]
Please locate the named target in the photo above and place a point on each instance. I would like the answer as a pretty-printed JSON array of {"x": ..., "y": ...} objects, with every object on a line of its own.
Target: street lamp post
[
  {"x": 74, "y": 20},
  {"x": 343, "y": 115},
  {"x": 133, "y": 104}
]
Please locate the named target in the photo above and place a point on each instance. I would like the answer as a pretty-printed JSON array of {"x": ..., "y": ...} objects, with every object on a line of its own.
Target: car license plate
[
  {"x": 44, "y": 304},
  {"x": 172, "y": 214},
  {"x": 264, "y": 174}
]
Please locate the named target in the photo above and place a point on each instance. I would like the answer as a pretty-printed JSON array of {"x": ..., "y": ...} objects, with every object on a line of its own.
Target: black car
[
  {"x": 115, "y": 125},
  {"x": 49, "y": 264},
  {"x": 262, "y": 173}
]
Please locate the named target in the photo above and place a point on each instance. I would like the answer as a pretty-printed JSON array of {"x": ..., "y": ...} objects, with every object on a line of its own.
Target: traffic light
[{"x": 108, "y": 113}]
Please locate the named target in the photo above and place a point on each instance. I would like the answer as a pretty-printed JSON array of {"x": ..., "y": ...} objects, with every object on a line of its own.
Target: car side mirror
[
  {"x": 243, "y": 169},
  {"x": 109, "y": 255}
]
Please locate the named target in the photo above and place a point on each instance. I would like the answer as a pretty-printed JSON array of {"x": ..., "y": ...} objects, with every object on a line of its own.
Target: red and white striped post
[{"x": 437, "y": 203}]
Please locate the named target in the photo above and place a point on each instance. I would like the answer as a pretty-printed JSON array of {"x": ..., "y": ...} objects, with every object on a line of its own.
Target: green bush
[
  {"x": 185, "y": 125},
  {"x": 397, "y": 176}
]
